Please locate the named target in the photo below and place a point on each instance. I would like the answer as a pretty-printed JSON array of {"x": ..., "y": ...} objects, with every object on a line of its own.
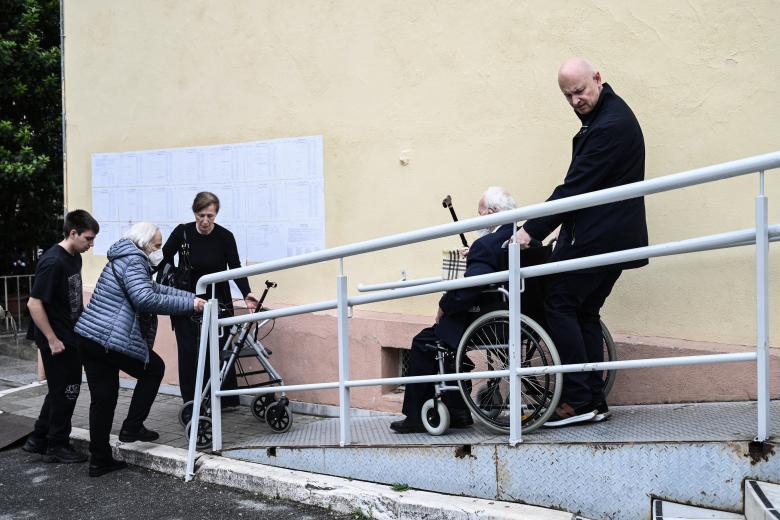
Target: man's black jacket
[{"x": 608, "y": 151}]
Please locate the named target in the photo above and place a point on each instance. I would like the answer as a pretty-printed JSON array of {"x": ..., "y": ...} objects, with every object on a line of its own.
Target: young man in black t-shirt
[{"x": 55, "y": 305}]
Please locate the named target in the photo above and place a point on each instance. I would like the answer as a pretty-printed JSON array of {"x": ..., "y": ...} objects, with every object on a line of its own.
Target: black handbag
[{"x": 179, "y": 276}]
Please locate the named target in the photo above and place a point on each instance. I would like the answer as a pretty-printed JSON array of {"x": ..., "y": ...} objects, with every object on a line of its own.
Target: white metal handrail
[
  {"x": 761, "y": 235},
  {"x": 628, "y": 191}
]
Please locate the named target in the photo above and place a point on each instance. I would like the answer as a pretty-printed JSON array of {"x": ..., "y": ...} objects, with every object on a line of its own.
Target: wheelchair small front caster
[
  {"x": 260, "y": 404},
  {"x": 278, "y": 417},
  {"x": 435, "y": 416},
  {"x": 203, "y": 437}
]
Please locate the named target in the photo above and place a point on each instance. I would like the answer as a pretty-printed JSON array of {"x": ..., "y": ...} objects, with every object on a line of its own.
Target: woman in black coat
[{"x": 212, "y": 248}]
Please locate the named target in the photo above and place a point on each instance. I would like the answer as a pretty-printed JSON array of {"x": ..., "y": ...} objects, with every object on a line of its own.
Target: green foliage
[
  {"x": 358, "y": 514},
  {"x": 30, "y": 129},
  {"x": 398, "y": 486}
]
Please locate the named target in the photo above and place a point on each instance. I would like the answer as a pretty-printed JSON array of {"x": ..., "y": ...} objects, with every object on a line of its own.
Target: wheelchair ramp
[{"x": 689, "y": 453}]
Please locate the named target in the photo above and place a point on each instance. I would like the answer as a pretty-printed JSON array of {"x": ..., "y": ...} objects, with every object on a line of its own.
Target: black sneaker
[
  {"x": 35, "y": 445},
  {"x": 406, "y": 426},
  {"x": 567, "y": 414},
  {"x": 141, "y": 434},
  {"x": 100, "y": 469},
  {"x": 602, "y": 411},
  {"x": 64, "y": 454}
]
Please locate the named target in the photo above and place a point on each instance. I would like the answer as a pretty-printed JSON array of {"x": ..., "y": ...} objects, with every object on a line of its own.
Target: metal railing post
[
  {"x": 343, "y": 334},
  {"x": 214, "y": 376},
  {"x": 18, "y": 302},
  {"x": 197, "y": 398},
  {"x": 515, "y": 332},
  {"x": 762, "y": 312}
]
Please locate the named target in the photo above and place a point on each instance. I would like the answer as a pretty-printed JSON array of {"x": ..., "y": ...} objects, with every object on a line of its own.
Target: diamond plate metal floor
[
  {"x": 700, "y": 422},
  {"x": 689, "y": 453}
]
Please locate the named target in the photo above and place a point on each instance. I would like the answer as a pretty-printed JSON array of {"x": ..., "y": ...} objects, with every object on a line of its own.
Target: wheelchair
[{"x": 484, "y": 347}]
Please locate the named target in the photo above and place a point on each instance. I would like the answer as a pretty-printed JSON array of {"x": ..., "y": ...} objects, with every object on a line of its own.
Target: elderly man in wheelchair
[
  {"x": 434, "y": 348},
  {"x": 471, "y": 333}
]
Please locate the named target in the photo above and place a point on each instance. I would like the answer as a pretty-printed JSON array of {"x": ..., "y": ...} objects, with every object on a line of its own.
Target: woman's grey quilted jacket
[{"x": 111, "y": 320}]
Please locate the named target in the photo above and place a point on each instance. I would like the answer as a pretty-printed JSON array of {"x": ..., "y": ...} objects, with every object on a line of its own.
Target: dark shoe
[
  {"x": 602, "y": 411},
  {"x": 35, "y": 445},
  {"x": 406, "y": 426},
  {"x": 141, "y": 434},
  {"x": 98, "y": 470},
  {"x": 64, "y": 454},
  {"x": 463, "y": 420},
  {"x": 567, "y": 414}
]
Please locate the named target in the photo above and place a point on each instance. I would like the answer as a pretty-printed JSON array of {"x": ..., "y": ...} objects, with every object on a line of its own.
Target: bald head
[{"x": 580, "y": 83}]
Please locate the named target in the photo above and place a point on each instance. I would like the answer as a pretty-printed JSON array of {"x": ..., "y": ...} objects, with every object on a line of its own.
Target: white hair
[
  {"x": 141, "y": 234},
  {"x": 498, "y": 199}
]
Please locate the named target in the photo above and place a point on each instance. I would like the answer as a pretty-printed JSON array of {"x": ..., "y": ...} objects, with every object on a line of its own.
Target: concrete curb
[{"x": 341, "y": 495}]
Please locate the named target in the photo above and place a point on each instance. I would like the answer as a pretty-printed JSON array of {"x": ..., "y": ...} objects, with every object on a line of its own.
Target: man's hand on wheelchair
[{"x": 523, "y": 238}]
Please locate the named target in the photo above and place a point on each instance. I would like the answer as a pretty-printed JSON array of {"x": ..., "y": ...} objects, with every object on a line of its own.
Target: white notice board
[{"x": 271, "y": 193}]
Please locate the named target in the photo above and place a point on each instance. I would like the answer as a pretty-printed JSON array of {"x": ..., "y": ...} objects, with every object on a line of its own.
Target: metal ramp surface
[{"x": 689, "y": 453}]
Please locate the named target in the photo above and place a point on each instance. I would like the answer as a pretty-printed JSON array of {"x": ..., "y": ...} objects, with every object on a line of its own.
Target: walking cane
[{"x": 447, "y": 203}]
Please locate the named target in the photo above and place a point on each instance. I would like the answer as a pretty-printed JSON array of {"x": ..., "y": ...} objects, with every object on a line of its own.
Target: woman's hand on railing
[{"x": 198, "y": 304}]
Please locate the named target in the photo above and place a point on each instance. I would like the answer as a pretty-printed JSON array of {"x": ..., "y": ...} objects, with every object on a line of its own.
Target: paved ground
[
  {"x": 163, "y": 418},
  {"x": 30, "y": 488}
]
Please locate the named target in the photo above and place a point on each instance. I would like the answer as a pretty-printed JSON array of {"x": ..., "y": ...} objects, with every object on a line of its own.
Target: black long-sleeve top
[
  {"x": 210, "y": 253},
  {"x": 608, "y": 151}
]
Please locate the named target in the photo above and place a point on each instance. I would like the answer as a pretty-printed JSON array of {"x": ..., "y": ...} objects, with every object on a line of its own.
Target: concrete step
[
  {"x": 663, "y": 510},
  {"x": 762, "y": 500}
]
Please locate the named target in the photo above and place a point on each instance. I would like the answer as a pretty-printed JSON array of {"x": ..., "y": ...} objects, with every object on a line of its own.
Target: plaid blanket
[{"x": 453, "y": 266}]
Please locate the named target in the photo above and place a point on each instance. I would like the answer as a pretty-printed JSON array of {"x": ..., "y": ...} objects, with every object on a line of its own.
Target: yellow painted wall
[{"x": 467, "y": 90}]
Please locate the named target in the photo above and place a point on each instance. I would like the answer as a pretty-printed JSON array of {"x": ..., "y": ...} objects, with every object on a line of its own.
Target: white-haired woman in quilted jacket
[{"x": 119, "y": 326}]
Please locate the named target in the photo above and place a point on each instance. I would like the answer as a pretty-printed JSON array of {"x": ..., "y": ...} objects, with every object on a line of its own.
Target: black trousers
[
  {"x": 63, "y": 377},
  {"x": 422, "y": 361},
  {"x": 572, "y": 308},
  {"x": 188, "y": 342},
  {"x": 102, "y": 367}
]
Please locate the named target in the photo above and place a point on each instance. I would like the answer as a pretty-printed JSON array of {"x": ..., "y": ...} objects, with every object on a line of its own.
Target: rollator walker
[{"x": 243, "y": 342}]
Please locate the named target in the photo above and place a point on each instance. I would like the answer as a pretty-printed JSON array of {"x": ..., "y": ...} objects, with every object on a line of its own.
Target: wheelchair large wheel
[
  {"x": 484, "y": 347},
  {"x": 609, "y": 355}
]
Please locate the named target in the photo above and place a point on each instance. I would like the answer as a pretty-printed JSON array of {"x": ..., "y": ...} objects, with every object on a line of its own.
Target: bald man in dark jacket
[{"x": 607, "y": 151}]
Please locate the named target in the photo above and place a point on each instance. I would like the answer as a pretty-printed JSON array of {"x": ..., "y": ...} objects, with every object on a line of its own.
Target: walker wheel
[
  {"x": 279, "y": 418},
  {"x": 185, "y": 412},
  {"x": 260, "y": 404},
  {"x": 204, "y": 437},
  {"x": 435, "y": 417}
]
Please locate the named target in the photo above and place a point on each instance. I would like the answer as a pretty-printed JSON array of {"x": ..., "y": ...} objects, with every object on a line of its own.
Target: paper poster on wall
[{"x": 271, "y": 193}]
